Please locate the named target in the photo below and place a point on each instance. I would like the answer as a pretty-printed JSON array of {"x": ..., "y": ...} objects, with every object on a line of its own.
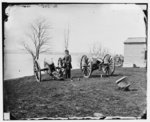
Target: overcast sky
[{"x": 108, "y": 24}]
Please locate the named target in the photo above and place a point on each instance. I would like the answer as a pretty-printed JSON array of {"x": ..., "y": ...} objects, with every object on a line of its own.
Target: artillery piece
[{"x": 88, "y": 65}]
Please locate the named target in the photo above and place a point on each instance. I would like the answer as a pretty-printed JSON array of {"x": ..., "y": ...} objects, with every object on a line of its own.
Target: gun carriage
[{"x": 88, "y": 65}]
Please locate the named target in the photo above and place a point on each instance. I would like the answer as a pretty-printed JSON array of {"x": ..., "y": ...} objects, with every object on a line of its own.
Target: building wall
[{"x": 134, "y": 54}]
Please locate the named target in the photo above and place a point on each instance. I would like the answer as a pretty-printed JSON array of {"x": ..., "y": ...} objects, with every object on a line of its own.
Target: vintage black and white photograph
[{"x": 74, "y": 61}]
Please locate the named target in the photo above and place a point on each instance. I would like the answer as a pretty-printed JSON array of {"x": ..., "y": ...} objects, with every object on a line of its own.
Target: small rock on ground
[{"x": 98, "y": 115}]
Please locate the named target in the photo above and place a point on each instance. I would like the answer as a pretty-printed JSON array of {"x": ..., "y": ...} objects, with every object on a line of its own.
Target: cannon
[
  {"x": 119, "y": 59},
  {"x": 50, "y": 69},
  {"x": 105, "y": 64}
]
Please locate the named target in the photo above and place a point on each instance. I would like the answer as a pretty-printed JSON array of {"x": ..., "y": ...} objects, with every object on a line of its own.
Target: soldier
[{"x": 68, "y": 65}]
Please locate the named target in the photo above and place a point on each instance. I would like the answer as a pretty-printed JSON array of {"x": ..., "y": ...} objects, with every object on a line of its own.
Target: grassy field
[{"x": 26, "y": 98}]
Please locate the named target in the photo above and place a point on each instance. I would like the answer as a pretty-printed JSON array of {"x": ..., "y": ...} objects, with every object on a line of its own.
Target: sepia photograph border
[{"x": 6, "y": 3}]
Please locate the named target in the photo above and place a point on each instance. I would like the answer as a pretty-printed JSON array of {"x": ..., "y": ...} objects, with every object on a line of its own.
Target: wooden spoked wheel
[
  {"x": 37, "y": 71},
  {"x": 108, "y": 65},
  {"x": 86, "y": 66},
  {"x": 119, "y": 63}
]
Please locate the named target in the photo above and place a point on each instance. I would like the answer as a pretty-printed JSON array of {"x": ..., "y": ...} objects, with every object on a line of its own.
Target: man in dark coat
[{"x": 68, "y": 65}]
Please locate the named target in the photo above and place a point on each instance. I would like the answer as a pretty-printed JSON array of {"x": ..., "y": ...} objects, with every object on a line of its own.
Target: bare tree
[
  {"x": 97, "y": 50},
  {"x": 38, "y": 38},
  {"x": 66, "y": 37}
]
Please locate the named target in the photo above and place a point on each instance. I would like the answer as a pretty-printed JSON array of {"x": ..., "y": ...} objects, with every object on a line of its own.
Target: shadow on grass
[
  {"x": 133, "y": 89},
  {"x": 98, "y": 76},
  {"x": 47, "y": 78},
  {"x": 77, "y": 77},
  {"x": 126, "y": 90},
  {"x": 51, "y": 80},
  {"x": 105, "y": 76}
]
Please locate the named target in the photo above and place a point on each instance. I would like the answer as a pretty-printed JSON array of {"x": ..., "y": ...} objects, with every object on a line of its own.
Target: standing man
[{"x": 68, "y": 65}]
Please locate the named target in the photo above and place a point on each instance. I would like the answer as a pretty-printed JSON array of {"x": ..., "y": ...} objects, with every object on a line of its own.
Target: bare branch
[
  {"x": 39, "y": 38},
  {"x": 27, "y": 48},
  {"x": 97, "y": 50}
]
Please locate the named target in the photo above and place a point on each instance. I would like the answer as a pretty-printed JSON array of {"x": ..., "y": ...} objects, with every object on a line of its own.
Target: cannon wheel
[
  {"x": 37, "y": 71},
  {"x": 109, "y": 65},
  {"x": 86, "y": 66},
  {"x": 118, "y": 62}
]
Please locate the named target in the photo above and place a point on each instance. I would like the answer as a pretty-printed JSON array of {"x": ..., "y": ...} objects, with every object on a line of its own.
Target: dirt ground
[{"x": 26, "y": 98}]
